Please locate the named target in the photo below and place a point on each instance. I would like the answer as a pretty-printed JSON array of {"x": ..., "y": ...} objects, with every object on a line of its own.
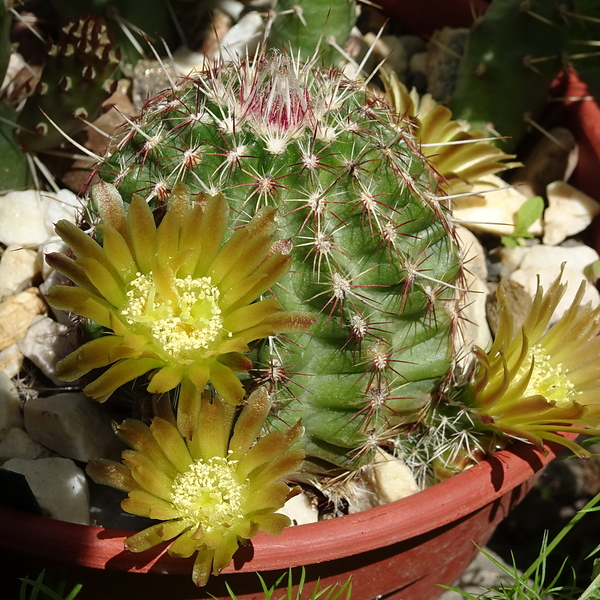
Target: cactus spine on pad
[
  {"x": 75, "y": 81},
  {"x": 373, "y": 253},
  {"x": 513, "y": 53}
]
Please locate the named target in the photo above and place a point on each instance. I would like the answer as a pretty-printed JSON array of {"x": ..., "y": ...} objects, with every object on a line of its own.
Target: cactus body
[
  {"x": 309, "y": 26},
  {"x": 513, "y": 54},
  {"x": 75, "y": 81},
  {"x": 373, "y": 256}
]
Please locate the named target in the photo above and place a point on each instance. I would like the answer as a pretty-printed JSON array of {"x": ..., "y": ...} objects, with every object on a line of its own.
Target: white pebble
[
  {"x": 45, "y": 343},
  {"x": 59, "y": 486},
  {"x": 492, "y": 209},
  {"x": 18, "y": 444},
  {"x": 28, "y": 217},
  {"x": 386, "y": 480},
  {"x": 569, "y": 212},
  {"x": 10, "y": 412},
  {"x": 72, "y": 425},
  {"x": 18, "y": 268},
  {"x": 300, "y": 510}
]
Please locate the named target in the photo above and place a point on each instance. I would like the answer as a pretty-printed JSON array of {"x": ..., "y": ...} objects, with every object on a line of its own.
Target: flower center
[
  {"x": 190, "y": 319},
  {"x": 209, "y": 494},
  {"x": 548, "y": 380}
]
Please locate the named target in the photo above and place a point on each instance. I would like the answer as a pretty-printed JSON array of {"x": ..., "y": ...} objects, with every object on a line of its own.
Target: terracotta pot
[{"x": 400, "y": 550}]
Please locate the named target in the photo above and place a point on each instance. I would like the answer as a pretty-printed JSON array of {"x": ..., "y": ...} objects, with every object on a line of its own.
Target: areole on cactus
[{"x": 372, "y": 250}]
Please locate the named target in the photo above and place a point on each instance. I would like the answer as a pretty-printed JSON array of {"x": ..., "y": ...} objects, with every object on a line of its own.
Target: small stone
[
  {"x": 418, "y": 63},
  {"x": 300, "y": 510},
  {"x": 390, "y": 49},
  {"x": 73, "y": 426},
  {"x": 28, "y": 217},
  {"x": 492, "y": 208},
  {"x": 18, "y": 269},
  {"x": 569, "y": 212},
  {"x": 59, "y": 486},
  {"x": 473, "y": 329},
  {"x": 386, "y": 480},
  {"x": 18, "y": 444},
  {"x": 443, "y": 59},
  {"x": 11, "y": 360},
  {"x": 553, "y": 158},
  {"x": 528, "y": 278},
  {"x": 472, "y": 252},
  {"x": 519, "y": 302},
  {"x": 17, "y": 313},
  {"x": 45, "y": 343},
  {"x": 10, "y": 412},
  {"x": 576, "y": 257}
]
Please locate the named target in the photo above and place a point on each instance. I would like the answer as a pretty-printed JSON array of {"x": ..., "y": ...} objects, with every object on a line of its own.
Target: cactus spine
[
  {"x": 513, "y": 52},
  {"x": 373, "y": 254}
]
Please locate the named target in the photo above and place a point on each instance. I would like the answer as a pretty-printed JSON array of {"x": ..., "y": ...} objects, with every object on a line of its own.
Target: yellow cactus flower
[
  {"x": 463, "y": 158},
  {"x": 211, "y": 492},
  {"x": 178, "y": 303},
  {"x": 536, "y": 383}
]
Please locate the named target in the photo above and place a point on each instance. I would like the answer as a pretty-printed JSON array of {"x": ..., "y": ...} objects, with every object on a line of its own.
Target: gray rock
[
  {"x": 59, "y": 486},
  {"x": 72, "y": 425}
]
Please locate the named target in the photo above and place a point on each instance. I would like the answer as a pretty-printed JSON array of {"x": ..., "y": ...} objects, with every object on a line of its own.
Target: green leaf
[
  {"x": 14, "y": 170},
  {"x": 527, "y": 215},
  {"x": 508, "y": 241}
]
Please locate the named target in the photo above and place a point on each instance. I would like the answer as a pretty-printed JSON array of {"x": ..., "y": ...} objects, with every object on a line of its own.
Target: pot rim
[{"x": 338, "y": 538}]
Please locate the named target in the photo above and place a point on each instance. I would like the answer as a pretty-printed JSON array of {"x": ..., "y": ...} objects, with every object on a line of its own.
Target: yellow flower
[
  {"x": 531, "y": 385},
  {"x": 210, "y": 492},
  {"x": 463, "y": 158},
  {"x": 177, "y": 302}
]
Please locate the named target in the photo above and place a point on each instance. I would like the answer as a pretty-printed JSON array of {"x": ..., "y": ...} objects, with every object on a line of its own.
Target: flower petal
[
  {"x": 250, "y": 422},
  {"x": 109, "y": 472},
  {"x": 139, "y": 436},
  {"x": 152, "y": 536},
  {"x": 92, "y": 355},
  {"x": 171, "y": 443},
  {"x": 145, "y": 504},
  {"x": 227, "y": 383},
  {"x": 166, "y": 379},
  {"x": 140, "y": 222},
  {"x": 119, "y": 374},
  {"x": 81, "y": 302},
  {"x": 151, "y": 478}
]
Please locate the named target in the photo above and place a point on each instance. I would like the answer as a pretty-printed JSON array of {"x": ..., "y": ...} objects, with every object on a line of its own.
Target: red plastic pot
[{"x": 401, "y": 550}]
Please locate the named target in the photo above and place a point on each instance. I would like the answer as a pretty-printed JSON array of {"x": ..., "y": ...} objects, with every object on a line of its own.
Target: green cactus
[
  {"x": 75, "y": 81},
  {"x": 513, "y": 54},
  {"x": 373, "y": 253},
  {"x": 307, "y": 27}
]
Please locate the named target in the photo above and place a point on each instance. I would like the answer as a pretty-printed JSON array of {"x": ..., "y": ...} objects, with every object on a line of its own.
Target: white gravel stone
[
  {"x": 569, "y": 212},
  {"x": 45, "y": 343},
  {"x": 472, "y": 252},
  {"x": 18, "y": 269},
  {"x": 17, "y": 314},
  {"x": 28, "y": 217},
  {"x": 386, "y": 480},
  {"x": 576, "y": 257},
  {"x": 11, "y": 360},
  {"x": 73, "y": 426},
  {"x": 300, "y": 510},
  {"x": 59, "y": 486},
  {"x": 17, "y": 443},
  {"x": 10, "y": 412},
  {"x": 528, "y": 278},
  {"x": 492, "y": 209}
]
